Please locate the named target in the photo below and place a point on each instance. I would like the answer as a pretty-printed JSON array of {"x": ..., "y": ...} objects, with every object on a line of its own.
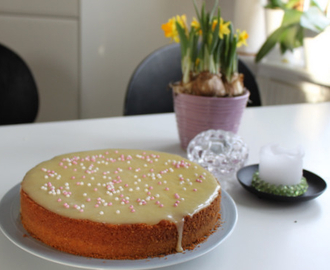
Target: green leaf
[
  {"x": 275, "y": 4},
  {"x": 291, "y": 16},
  {"x": 292, "y": 37},
  {"x": 183, "y": 38},
  {"x": 270, "y": 43},
  {"x": 215, "y": 35}
]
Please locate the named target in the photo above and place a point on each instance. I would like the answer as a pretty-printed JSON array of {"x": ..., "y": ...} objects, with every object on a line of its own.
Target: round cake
[{"x": 120, "y": 204}]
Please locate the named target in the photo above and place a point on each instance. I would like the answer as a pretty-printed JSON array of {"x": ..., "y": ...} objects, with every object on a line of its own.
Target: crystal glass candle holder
[{"x": 221, "y": 152}]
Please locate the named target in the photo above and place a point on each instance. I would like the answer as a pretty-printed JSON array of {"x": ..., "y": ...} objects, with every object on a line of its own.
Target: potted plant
[
  {"x": 300, "y": 19},
  {"x": 211, "y": 94}
]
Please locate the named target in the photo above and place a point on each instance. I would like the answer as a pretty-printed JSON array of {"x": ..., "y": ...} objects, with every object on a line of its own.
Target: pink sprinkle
[
  {"x": 177, "y": 196},
  {"x": 96, "y": 206},
  {"x": 151, "y": 170},
  {"x": 81, "y": 210},
  {"x": 195, "y": 189},
  {"x": 132, "y": 210},
  {"x": 49, "y": 184},
  {"x": 59, "y": 199},
  {"x": 151, "y": 187},
  {"x": 130, "y": 168},
  {"x": 121, "y": 195},
  {"x": 110, "y": 203},
  {"x": 159, "y": 183},
  {"x": 148, "y": 193},
  {"x": 161, "y": 205},
  {"x": 175, "y": 205},
  {"x": 88, "y": 199},
  {"x": 95, "y": 189},
  {"x": 126, "y": 185},
  {"x": 144, "y": 176},
  {"x": 152, "y": 198},
  {"x": 157, "y": 202},
  {"x": 116, "y": 151},
  {"x": 75, "y": 206},
  {"x": 167, "y": 189}
]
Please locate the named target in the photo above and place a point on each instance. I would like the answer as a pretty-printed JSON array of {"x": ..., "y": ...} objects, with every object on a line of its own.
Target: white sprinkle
[
  {"x": 117, "y": 212},
  {"x": 101, "y": 213}
]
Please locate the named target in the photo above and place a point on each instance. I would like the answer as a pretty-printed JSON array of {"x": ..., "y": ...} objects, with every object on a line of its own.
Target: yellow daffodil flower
[
  {"x": 196, "y": 25},
  {"x": 242, "y": 37},
  {"x": 223, "y": 29},
  {"x": 170, "y": 29}
]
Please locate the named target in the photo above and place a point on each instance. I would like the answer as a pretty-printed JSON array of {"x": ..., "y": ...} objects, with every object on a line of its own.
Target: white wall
[{"x": 115, "y": 37}]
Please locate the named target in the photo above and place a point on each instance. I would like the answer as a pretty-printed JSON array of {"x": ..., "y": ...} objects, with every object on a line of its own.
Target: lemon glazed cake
[{"x": 120, "y": 204}]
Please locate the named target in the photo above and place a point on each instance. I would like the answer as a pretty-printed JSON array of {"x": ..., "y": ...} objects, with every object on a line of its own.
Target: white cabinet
[{"x": 46, "y": 35}]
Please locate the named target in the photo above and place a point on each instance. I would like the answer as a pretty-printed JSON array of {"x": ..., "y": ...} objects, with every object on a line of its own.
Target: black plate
[{"x": 316, "y": 185}]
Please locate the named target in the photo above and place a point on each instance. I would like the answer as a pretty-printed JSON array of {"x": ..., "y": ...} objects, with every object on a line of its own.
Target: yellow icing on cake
[{"x": 121, "y": 186}]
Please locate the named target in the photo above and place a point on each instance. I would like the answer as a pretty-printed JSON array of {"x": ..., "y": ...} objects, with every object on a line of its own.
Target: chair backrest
[
  {"x": 148, "y": 90},
  {"x": 19, "y": 101}
]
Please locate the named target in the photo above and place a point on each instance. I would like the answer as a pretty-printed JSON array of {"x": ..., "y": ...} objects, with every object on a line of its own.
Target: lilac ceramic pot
[{"x": 195, "y": 114}]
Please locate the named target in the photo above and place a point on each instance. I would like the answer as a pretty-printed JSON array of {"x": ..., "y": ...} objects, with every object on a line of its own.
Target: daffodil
[
  {"x": 223, "y": 29},
  {"x": 242, "y": 37},
  {"x": 208, "y": 46},
  {"x": 170, "y": 29},
  {"x": 196, "y": 25}
]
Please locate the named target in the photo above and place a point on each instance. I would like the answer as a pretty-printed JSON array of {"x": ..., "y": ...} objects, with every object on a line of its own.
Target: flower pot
[{"x": 195, "y": 114}]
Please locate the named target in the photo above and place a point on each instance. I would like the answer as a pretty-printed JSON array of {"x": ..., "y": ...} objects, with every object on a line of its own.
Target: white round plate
[{"x": 12, "y": 227}]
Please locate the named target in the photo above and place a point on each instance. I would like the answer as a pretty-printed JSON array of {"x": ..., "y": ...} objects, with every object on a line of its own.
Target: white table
[{"x": 268, "y": 235}]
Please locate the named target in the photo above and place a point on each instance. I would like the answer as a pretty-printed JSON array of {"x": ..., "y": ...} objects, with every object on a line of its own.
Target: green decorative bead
[{"x": 281, "y": 190}]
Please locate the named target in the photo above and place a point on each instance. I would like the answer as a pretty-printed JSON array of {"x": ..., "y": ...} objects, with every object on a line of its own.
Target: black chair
[
  {"x": 19, "y": 100},
  {"x": 148, "y": 90}
]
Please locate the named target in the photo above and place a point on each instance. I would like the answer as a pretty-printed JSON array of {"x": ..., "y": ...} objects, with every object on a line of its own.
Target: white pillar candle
[{"x": 281, "y": 166}]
